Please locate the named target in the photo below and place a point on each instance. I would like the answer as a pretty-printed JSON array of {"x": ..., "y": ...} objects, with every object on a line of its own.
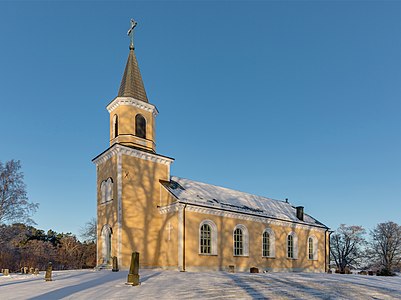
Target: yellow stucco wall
[
  {"x": 106, "y": 212},
  {"x": 142, "y": 224},
  {"x": 225, "y": 257}
]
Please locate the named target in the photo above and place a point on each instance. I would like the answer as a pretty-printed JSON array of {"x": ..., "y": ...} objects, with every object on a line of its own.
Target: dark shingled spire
[{"x": 131, "y": 83}]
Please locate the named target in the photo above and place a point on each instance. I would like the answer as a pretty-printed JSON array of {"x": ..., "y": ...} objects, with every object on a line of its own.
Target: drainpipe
[{"x": 325, "y": 249}]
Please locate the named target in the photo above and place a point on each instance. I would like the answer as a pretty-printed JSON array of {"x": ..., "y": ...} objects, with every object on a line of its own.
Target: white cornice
[
  {"x": 235, "y": 215},
  {"x": 133, "y": 102},
  {"x": 119, "y": 149}
]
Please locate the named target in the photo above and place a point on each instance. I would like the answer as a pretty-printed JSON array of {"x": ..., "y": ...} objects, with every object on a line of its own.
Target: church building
[{"x": 181, "y": 224}]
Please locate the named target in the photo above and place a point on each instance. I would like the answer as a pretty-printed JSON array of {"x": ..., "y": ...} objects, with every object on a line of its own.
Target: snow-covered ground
[{"x": 157, "y": 284}]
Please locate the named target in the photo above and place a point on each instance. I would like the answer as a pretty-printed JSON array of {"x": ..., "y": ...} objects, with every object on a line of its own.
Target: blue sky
[{"x": 297, "y": 100}]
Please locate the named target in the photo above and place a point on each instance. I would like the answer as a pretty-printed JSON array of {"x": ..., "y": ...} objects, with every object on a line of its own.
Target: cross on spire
[{"x": 130, "y": 33}]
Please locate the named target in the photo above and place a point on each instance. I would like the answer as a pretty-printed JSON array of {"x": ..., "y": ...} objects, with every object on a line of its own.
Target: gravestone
[
  {"x": 31, "y": 270},
  {"x": 25, "y": 270},
  {"x": 254, "y": 270},
  {"x": 22, "y": 270},
  {"x": 133, "y": 275},
  {"x": 231, "y": 269},
  {"x": 115, "y": 264},
  {"x": 6, "y": 272},
  {"x": 48, "y": 275},
  {"x": 36, "y": 272}
]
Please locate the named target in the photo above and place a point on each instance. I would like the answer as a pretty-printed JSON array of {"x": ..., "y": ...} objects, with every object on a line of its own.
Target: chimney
[{"x": 300, "y": 212}]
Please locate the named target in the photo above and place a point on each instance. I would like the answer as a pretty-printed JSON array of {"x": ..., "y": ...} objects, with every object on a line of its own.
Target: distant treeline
[{"x": 26, "y": 246}]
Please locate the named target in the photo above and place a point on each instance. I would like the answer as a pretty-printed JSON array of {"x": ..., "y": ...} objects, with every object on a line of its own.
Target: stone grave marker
[
  {"x": 31, "y": 270},
  {"x": 36, "y": 272},
  {"x": 133, "y": 275},
  {"x": 6, "y": 272},
  {"x": 48, "y": 275},
  {"x": 25, "y": 270},
  {"x": 115, "y": 264}
]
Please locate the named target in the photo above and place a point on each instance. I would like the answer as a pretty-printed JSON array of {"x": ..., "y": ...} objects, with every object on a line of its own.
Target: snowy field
[{"x": 88, "y": 284}]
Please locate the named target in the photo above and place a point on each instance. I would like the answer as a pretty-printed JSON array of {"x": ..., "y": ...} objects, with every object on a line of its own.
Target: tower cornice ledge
[
  {"x": 133, "y": 102},
  {"x": 120, "y": 149}
]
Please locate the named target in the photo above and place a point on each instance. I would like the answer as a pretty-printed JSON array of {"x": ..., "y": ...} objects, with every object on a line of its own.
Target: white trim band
[
  {"x": 133, "y": 102},
  {"x": 116, "y": 149}
]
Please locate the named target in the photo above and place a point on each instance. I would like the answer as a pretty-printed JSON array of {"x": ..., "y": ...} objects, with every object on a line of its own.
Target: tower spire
[{"x": 131, "y": 83}]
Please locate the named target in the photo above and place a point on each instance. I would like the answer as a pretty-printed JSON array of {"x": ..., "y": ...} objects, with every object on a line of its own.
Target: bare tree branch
[{"x": 14, "y": 204}]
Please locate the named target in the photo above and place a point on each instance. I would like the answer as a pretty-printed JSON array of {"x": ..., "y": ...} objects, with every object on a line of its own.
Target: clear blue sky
[{"x": 297, "y": 100}]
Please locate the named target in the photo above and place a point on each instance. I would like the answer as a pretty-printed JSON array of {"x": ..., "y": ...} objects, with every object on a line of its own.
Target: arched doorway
[{"x": 106, "y": 244}]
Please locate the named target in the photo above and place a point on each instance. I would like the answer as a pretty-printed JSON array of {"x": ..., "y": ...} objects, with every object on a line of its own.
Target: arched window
[
  {"x": 106, "y": 243},
  {"x": 103, "y": 192},
  {"x": 140, "y": 126},
  {"x": 207, "y": 237},
  {"x": 312, "y": 248},
  {"x": 115, "y": 126},
  {"x": 268, "y": 243},
  {"x": 109, "y": 189},
  {"x": 240, "y": 239},
  {"x": 292, "y": 247}
]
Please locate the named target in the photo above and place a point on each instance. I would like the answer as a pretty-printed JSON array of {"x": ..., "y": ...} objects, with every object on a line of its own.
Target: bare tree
[
  {"x": 385, "y": 246},
  {"x": 14, "y": 204},
  {"x": 346, "y": 245},
  {"x": 88, "y": 232}
]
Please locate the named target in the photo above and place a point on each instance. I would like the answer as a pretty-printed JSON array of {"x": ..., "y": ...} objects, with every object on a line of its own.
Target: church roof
[
  {"x": 207, "y": 195},
  {"x": 131, "y": 83}
]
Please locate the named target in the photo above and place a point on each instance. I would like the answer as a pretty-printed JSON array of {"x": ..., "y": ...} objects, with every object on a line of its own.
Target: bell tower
[
  {"x": 129, "y": 175},
  {"x": 132, "y": 117}
]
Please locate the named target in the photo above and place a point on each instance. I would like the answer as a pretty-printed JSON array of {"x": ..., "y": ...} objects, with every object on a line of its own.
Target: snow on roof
[{"x": 199, "y": 193}]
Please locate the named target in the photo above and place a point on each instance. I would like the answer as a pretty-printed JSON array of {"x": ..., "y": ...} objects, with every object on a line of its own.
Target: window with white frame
[
  {"x": 312, "y": 248},
  {"x": 103, "y": 192},
  {"x": 268, "y": 243},
  {"x": 115, "y": 126},
  {"x": 292, "y": 245},
  {"x": 106, "y": 190},
  {"x": 109, "y": 189},
  {"x": 207, "y": 238},
  {"x": 240, "y": 241}
]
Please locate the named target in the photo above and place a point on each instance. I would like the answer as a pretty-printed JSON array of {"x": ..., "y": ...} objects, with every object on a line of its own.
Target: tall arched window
[
  {"x": 109, "y": 189},
  {"x": 106, "y": 243},
  {"x": 240, "y": 239},
  {"x": 312, "y": 248},
  {"x": 103, "y": 192},
  {"x": 292, "y": 245},
  {"x": 238, "y": 242},
  {"x": 115, "y": 126},
  {"x": 140, "y": 126},
  {"x": 207, "y": 237},
  {"x": 268, "y": 243}
]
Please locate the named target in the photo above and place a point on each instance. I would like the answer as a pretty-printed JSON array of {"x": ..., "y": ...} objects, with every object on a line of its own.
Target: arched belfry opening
[
  {"x": 106, "y": 243},
  {"x": 140, "y": 126},
  {"x": 115, "y": 126}
]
